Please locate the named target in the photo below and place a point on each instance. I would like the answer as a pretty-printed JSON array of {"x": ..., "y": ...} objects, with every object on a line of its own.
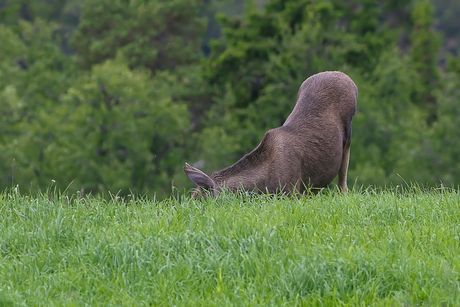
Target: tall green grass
[{"x": 388, "y": 248}]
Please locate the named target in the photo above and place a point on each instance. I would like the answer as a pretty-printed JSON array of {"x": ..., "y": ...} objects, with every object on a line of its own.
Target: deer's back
[{"x": 325, "y": 97}]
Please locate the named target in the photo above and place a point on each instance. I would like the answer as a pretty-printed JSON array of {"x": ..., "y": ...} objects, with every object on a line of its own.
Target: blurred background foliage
[{"x": 115, "y": 95}]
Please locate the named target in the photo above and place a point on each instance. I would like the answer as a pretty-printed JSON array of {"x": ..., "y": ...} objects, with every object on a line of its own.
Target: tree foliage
[
  {"x": 143, "y": 88},
  {"x": 157, "y": 34},
  {"x": 107, "y": 128}
]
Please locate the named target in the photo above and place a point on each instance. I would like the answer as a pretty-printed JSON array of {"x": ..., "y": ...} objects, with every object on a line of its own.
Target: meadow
[{"x": 395, "y": 247}]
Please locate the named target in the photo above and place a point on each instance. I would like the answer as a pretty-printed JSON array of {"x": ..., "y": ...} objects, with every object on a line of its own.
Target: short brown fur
[{"x": 308, "y": 151}]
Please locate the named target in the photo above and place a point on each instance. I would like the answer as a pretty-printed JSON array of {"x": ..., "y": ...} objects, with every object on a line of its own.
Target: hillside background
[{"x": 116, "y": 95}]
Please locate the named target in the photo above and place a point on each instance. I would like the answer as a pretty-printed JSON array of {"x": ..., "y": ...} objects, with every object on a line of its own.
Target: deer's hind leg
[{"x": 342, "y": 182}]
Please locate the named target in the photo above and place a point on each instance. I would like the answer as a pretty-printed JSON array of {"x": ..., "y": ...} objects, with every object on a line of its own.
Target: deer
[{"x": 304, "y": 155}]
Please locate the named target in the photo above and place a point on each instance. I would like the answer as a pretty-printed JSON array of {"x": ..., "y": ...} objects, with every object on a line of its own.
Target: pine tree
[
  {"x": 424, "y": 55},
  {"x": 256, "y": 68},
  {"x": 156, "y": 34}
]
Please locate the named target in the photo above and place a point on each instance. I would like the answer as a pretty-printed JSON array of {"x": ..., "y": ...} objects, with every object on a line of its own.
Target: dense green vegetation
[
  {"x": 107, "y": 99},
  {"x": 392, "y": 248},
  {"x": 116, "y": 95}
]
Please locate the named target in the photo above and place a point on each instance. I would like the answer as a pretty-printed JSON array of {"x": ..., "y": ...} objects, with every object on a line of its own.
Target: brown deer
[{"x": 306, "y": 153}]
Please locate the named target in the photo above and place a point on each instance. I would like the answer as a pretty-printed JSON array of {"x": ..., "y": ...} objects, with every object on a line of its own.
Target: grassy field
[{"x": 390, "y": 248}]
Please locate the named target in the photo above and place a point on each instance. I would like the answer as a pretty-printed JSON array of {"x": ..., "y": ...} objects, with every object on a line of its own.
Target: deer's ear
[{"x": 199, "y": 178}]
